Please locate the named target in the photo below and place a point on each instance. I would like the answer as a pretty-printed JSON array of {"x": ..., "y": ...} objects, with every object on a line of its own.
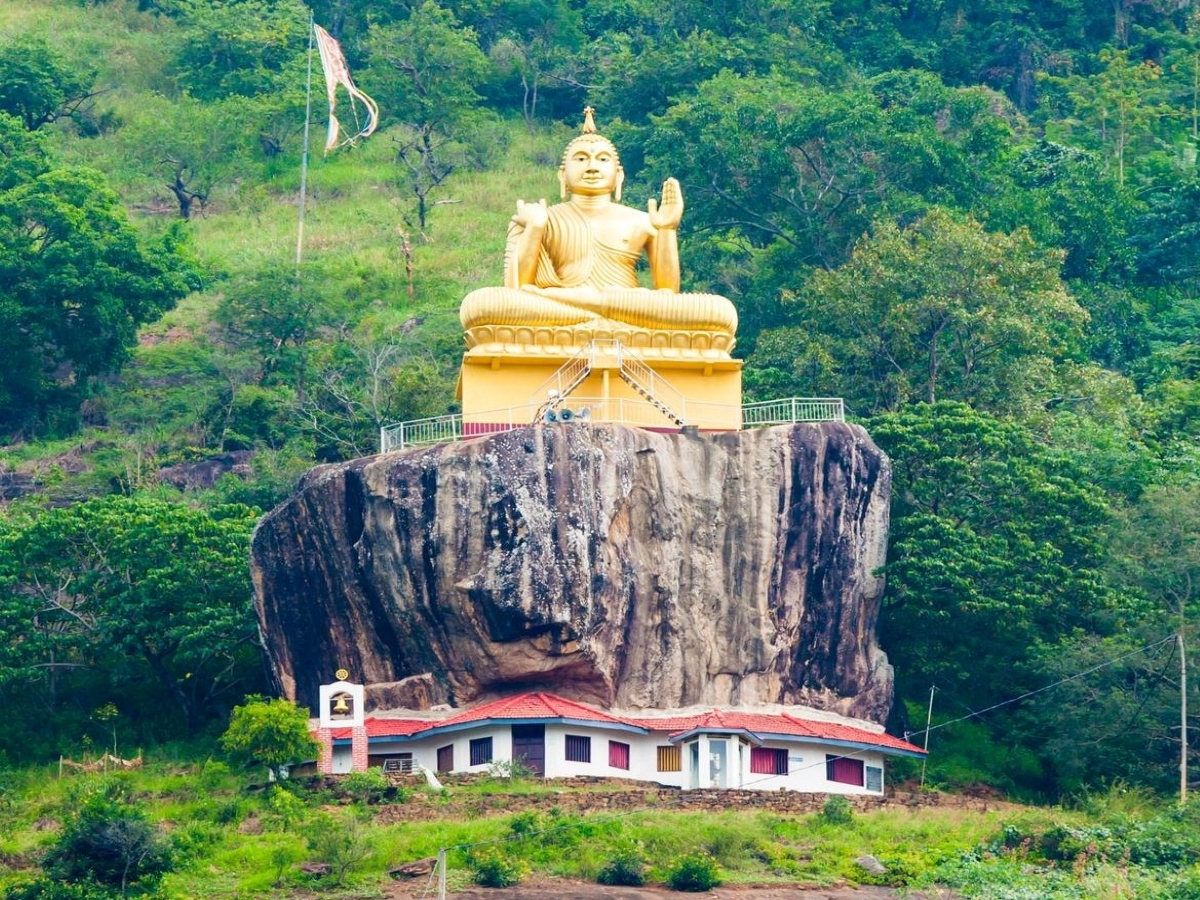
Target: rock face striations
[{"x": 617, "y": 566}]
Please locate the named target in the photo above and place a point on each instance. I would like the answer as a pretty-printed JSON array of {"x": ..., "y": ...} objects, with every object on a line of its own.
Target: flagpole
[{"x": 304, "y": 156}]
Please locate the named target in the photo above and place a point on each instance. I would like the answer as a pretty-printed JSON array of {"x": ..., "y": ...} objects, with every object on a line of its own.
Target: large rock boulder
[{"x": 616, "y": 566}]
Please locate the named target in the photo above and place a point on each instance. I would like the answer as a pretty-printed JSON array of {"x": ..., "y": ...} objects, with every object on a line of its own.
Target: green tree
[
  {"x": 543, "y": 43},
  {"x": 996, "y": 548},
  {"x": 1116, "y": 108},
  {"x": 76, "y": 280},
  {"x": 38, "y": 85},
  {"x": 1157, "y": 550},
  {"x": 1067, "y": 199},
  {"x": 1123, "y": 720},
  {"x": 271, "y": 732},
  {"x": 783, "y": 175},
  {"x": 277, "y": 315},
  {"x": 145, "y": 589},
  {"x": 192, "y": 147},
  {"x": 361, "y": 384},
  {"x": 782, "y": 160},
  {"x": 248, "y": 48},
  {"x": 940, "y": 310},
  {"x": 1119, "y": 722},
  {"x": 1167, "y": 235},
  {"x": 426, "y": 71}
]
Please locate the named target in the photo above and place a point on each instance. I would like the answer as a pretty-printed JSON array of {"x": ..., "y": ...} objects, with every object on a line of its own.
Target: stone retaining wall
[{"x": 620, "y": 796}]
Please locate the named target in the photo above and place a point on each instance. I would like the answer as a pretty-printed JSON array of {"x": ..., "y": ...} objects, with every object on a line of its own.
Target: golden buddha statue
[{"x": 571, "y": 268}]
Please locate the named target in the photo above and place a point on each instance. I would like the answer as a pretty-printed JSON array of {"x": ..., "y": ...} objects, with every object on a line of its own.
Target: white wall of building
[{"x": 806, "y": 761}]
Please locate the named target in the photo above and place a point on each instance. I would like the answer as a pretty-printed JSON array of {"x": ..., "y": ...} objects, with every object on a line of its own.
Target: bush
[
  {"x": 193, "y": 840},
  {"x": 776, "y": 857},
  {"x": 110, "y": 842},
  {"x": 285, "y": 810},
  {"x": 48, "y": 889},
  {"x": 1185, "y": 887},
  {"x": 626, "y": 869},
  {"x": 215, "y": 776},
  {"x": 1167, "y": 840},
  {"x": 491, "y": 868},
  {"x": 341, "y": 844},
  {"x": 837, "y": 811},
  {"x": 694, "y": 872},
  {"x": 1066, "y": 843},
  {"x": 524, "y": 823},
  {"x": 514, "y": 769},
  {"x": 366, "y": 787}
]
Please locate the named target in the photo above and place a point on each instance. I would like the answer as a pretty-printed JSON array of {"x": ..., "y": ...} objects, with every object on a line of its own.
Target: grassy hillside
[{"x": 227, "y": 841}]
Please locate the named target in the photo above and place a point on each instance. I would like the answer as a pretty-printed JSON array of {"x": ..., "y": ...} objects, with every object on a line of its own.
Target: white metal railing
[
  {"x": 566, "y": 377},
  {"x": 441, "y": 429},
  {"x": 792, "y": 410},
  {"x": 620, "y": 411}
]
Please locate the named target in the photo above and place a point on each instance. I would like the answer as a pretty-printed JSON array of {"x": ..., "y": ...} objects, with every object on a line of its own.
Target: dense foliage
[
  {"x": 979, "y": 223},
  {"x": 76, "y": 281},
  {"x": 132, "y": 601}
]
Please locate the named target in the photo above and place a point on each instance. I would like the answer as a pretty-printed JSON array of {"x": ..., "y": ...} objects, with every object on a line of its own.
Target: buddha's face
[{"x": 591, "y": 168}]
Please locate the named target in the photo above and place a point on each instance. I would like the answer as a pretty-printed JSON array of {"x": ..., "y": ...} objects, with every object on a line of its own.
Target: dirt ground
[{"x": 575, "y": 890}]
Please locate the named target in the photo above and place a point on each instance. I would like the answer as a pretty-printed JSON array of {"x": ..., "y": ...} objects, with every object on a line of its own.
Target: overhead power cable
[{"x": 682, "y": 798}]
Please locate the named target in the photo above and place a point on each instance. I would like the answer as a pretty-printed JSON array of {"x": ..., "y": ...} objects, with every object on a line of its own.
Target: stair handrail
[
  {"x": 563, "y": 381},
  {"x": 640, "y": 375}
]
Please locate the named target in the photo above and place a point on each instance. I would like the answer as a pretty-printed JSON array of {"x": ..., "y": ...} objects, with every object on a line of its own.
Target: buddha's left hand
[{"x": 668, "y": 214}]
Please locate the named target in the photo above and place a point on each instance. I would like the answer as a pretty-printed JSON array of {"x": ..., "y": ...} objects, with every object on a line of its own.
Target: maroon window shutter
[
  {"x": 768, "y": 761},
  {"x": 618, "y": 755},
  {"x": 844, "y": 770}
]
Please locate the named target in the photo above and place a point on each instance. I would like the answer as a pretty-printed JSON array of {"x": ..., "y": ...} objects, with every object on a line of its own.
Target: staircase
[
  {"x": 652, "y": 387},
  {"x": 565, "y": 379}
]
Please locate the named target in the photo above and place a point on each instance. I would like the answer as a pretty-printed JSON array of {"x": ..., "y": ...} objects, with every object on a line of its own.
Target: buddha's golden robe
[{"x": 571, "y": 256}]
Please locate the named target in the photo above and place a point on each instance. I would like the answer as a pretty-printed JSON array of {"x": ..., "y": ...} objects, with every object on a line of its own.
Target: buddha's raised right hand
[{"x": 531, "y": 215}]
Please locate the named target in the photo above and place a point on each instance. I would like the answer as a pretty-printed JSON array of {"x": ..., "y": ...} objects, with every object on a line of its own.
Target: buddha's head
[{"x": 590, "y": 165}]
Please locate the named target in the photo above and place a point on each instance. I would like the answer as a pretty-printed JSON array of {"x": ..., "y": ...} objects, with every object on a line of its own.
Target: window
[
  {"x": 579, "y": 748},
  {"x": 670, "y": 759},
  {"x": 875, "y": 779},
  {"x": 618, "y": 755},
  {"x": 843, "y": 770},
  {"x": 768, "y": 761},
  {"x": 481, "y": 751},
  {"x": 401, "y": 762},
  {"x": 445, "y": 760}
]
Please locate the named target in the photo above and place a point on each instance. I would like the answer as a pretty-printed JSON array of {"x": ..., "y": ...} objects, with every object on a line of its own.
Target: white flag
[{"x": 337, "y": 72}]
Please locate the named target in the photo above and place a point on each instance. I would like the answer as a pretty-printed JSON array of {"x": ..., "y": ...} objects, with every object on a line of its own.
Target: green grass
[
  {"x": 170, "y": 397},
  {"x": 234, "y": 842}
]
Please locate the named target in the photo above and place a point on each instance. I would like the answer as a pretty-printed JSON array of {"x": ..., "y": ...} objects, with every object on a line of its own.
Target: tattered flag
[{"x": 338, "y": 73}]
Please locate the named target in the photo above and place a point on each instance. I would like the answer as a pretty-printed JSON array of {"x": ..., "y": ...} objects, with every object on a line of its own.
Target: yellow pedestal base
[{"x": 608, "y": 383}]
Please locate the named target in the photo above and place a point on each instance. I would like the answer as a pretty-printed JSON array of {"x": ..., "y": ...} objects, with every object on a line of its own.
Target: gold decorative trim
[{"x": 555, "y": 340}]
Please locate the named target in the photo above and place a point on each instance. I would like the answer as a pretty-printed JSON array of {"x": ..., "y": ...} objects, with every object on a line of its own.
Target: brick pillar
[
  {"x": 325, "y": 754},
  {"x": 358, "y": 749}
]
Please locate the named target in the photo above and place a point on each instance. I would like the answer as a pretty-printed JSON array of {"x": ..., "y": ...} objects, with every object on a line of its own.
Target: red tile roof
[
  {"x": 534, "y": 705},
  {"x": 386, "y": 728},
  {"x": 538, "y": 705},
  {"x": 773, "y": 723}
]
